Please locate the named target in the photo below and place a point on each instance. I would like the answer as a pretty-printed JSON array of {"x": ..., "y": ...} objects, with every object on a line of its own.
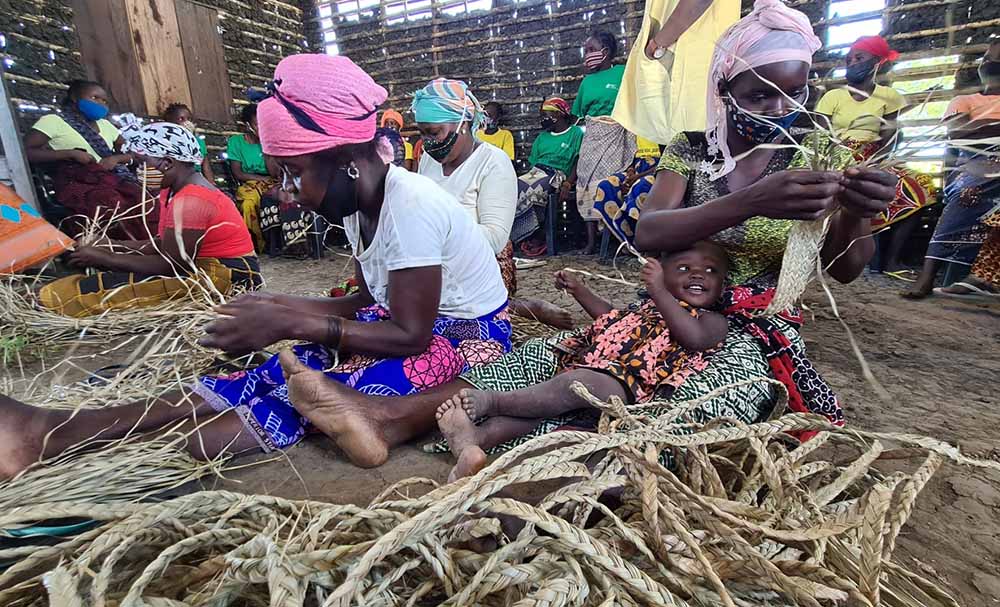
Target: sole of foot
[{"x": 336, "y": 410}]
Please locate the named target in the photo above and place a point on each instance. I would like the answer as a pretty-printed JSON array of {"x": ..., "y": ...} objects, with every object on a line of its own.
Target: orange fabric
[
  {"x": 976, "y": 106},
  {"x": 25, "y": 238}
]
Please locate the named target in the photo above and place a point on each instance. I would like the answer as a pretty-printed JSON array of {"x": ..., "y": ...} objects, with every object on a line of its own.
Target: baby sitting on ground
[{"x": 634, "y": 353}]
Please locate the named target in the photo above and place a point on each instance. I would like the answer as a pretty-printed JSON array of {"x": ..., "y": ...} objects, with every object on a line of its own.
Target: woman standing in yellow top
[
  {"x": 863, "y": 115},
  {"x": 491, "y": 131},
  {"x": 667, "y": 68}
]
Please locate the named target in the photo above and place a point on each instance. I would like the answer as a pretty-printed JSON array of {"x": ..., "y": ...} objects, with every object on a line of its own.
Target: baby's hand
[
  {"x": 652, "y": 275},
  {"x": 567, "y": 281}
]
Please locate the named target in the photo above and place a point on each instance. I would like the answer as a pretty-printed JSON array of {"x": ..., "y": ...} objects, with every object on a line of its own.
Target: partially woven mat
[{"x": 745, "y": 517}]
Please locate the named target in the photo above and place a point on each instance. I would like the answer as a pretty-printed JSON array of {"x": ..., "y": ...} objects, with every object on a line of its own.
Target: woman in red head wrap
[{"x": 864, "y": 114}]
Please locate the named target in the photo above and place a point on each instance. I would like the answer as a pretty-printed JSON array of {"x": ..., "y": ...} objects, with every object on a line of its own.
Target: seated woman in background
[
  {"x": 91, "y": 172},
  {"x": 624, "y": 193},
  {"x": 431, "y": 305},
  {"x": 864, "y": 117},
  {"x": 201, "y": 238},
  {"x": 491, "y": 131},
  {"x": 972, "y": 190},
  {"x": 553, "y": 158},
  {"x": 251, "y": 171},
  {"x": 479, "y": 175}
]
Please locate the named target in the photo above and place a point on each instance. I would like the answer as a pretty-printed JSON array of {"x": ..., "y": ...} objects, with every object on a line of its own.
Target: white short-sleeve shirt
[
  {"x": 421, "y": 225},
  {"x": 485, "y": 185}
]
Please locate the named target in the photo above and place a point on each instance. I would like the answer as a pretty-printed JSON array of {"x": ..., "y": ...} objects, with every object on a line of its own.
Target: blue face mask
[
  {"x": 759, "y": 129},
  {"x": 91, "y": 110}
]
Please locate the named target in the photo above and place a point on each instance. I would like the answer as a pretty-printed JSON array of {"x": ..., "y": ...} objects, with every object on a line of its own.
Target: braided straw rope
[{"x": 739, "y": 520}]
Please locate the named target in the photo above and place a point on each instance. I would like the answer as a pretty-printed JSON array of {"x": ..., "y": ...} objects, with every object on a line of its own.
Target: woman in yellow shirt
[
  {"x": 864, "y": 116},
  {"x": 491, "y": 131}
]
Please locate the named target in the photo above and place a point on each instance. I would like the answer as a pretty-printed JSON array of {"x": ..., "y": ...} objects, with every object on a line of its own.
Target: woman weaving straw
[
  {"x": 479, "y": 175},
  {"x": 431, "y": 301},
  {"x": 747, "y": 209},
  {"x": 201, "y": 235},
  {"x": 91, "y": 172}
]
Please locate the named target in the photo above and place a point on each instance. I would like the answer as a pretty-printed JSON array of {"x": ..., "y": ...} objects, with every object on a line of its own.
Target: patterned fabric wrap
[
  {"x": 987, "y": 264},
  {"x": 445, "y": 101},
  {"x": 959, "y": 233},
  {"x": 534, "y": 189},
  {"x": 260, "y": 396},
  {"x": 807, "y": 391},
  {"x": 611, "y": 201},
  {"x": 913, "y": 192},
  {"x": 291, "y": 221},
  {"x": 249, "y": 196},
  {"x": 91, "y": 192},
  {"x": 633, "y": 346},
  {"x": 79, "y": 296},
  {"x": 508, "y": 271},
  {"x": 606, "y": 148},
  {"x": 556, "y": 104}
]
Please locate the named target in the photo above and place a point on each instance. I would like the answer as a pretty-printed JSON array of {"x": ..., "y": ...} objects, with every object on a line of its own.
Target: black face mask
[
  {"x": 439, "y": 150},
  {"x": 341, "y": 197},
  {"x": 859, "y": 72},
  {"x": 989, "y": 72},
  {"x": 548, "y": 123}
]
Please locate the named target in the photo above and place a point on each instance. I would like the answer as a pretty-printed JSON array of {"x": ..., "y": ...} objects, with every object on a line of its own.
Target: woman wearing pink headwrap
[{"x": 431, "y": 302}]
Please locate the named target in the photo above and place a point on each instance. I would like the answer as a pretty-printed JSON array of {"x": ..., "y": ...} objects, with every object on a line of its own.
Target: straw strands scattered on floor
[{"x": 741, "y": 519}]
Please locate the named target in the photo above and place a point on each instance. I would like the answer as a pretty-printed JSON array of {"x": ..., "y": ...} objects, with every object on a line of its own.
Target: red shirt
[{"x": 199, "y": 208}]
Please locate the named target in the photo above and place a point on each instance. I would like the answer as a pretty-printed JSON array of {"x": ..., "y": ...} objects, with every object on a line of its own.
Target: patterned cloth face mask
[{"x": 758, "y": 128}]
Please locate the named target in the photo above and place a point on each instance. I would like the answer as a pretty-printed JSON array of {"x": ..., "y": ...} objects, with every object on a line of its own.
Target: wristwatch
[{"x": 659, "y": 52}]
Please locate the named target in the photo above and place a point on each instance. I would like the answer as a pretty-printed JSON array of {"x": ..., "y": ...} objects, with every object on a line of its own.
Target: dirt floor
[{"x": 938, "y": 360}]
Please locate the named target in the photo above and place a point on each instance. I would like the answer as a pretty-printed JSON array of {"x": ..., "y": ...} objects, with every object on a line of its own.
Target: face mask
[
  {"x": 341, "y": 197},
  {"x": 91, "y": 110},
  {"x": 756, "y": 128},
  {"x": 439, "y": 150},
  {"x": 548, "y": 122},
  {"x": 189, "y": 125},
  {"x": 989, "y": 72},
  {"x": 859, "y": 72},
  {"x": 594, "y": 59},
  {"x": 489, "y": 123}
]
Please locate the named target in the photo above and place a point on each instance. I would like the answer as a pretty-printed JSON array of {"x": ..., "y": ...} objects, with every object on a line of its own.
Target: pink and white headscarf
[
  {"x": 771, "y": 33},
  {"x": 318, "y": 102}
]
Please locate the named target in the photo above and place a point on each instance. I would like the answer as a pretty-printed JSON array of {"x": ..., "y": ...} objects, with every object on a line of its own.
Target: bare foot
[
  {"x": 22, "y": 431},
  {"x": 338, "y": 411},
  {"x": 455, "y": 421},
  {"x": 544, "y": 312}
]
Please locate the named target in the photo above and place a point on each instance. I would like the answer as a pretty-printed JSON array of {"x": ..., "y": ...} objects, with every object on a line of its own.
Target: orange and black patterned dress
[{"x": 633, "y": 346}]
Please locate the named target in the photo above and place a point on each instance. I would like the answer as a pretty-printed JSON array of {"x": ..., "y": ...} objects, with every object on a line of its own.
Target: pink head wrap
[
  {"x": 337, "y": 96},
  {"x": 771, "y": 33}
]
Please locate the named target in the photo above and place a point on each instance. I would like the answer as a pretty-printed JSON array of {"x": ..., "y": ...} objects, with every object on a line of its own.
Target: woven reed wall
[
  {"x": 42, "y": 49},
  {"x": 520, "y": 53}
]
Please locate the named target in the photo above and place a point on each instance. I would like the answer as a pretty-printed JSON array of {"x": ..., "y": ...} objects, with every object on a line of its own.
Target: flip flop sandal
[
  {"x": 904, "y": 275},
  {"x": 976, "y": 296}
]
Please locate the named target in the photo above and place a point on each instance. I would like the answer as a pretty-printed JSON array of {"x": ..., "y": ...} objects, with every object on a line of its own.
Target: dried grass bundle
[{"x": 741, "y": 519}]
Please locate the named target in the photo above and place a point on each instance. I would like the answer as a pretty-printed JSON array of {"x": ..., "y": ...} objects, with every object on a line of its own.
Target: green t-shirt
[
  {"x": 598, "y": 91},
  {"x": 557, "y": 151},
  {"x": 249, "y": 155},
  {"x": 204, "y": 151}
]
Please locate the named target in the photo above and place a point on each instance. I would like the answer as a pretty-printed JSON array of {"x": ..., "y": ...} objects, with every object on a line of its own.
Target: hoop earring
[{"x": 353, "y": 172}]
